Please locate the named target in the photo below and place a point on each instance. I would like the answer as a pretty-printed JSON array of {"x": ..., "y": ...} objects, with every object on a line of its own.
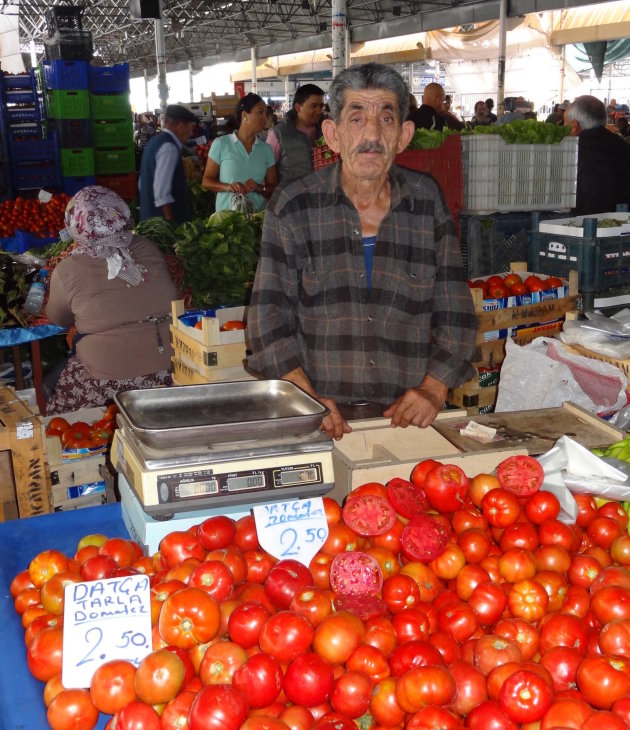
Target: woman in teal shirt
[{"x": 240, "y": 162}]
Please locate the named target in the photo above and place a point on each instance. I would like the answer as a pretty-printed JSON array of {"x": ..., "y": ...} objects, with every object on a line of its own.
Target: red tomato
[
  {"x": 492, "y": 651},
  {"x": 246, "y": 621},
  {"x": 246, "y": 537},
  {"x": 383, "y": 705},
  {"x": 500, "y": 508},
  {"x": 411, "y": 624},
  {"x": 215, "y": 578},
  {"x": 528, "y": 599},
  {"x": 112, "y": 686},
  {"x": 216, "y": 532},
  {"x": 338, "y": 636},
  {"x": 308, "y": 679},
  {"x": 284, "y": 580},
  {"x": 369, "y": 660},
  {"x": 189, "y": 617},
  {"x": 97, "y": 567},
  {"x": 562, "y": 663},
  {"x": 446, "y": 487},
  {"x": 488, "y": 601},
  {"x": 220, "y": 661},
  {"x": 44, "y": 653},
  {"x": 512, "y": 279},
  {"x": 420, "y": 471},
  {"x": 525, "y": 696},
  {"x": 368, "y": 514},
  {"x": 356, "y": 573},
  {"x": 471, "y": 687},
  {"x": 521, "y": 475},
  {"x": 175, "y": 714},
  {"x": 159, "y": 677},
  {"x": 603, "y": 680},
  {"x": 414, "y": 653},
  {"x": 480, "y": 485},
  {"x": 421, "y": 686},
  {"x": 541, "y": 506},
  {"x": 285, "y": 635},
  {"x": 45, "y": 564},
  {"x": 179, "y": 545},
  {"x": 399, "y": 592},
  {"x": 71, "y": 709},
  {"x": 553, "y": 282},
  {"x": 351, "y": 694},
  {"x": 489, "y": 716},
  {"x": 424, "y": 538},
  {"x": 218, "y": 707},
  {"x": 518, "y": 289},
  {"x": 260, "y": 679}
]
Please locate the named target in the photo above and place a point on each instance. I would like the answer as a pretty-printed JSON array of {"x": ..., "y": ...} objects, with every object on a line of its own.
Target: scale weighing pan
[{"x": 220, "y": 412}]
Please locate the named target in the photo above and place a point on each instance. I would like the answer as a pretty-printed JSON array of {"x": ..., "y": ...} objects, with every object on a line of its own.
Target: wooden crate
[
  {"x": 210, "y": 333},
  {"x": 185, "y": 374},
  {"x": 376, "y": 452},
  {"x": 541, "y": 319},
  {"x": 24, "y": 480}
]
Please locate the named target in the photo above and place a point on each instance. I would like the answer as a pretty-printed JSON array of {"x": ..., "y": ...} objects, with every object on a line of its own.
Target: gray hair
[
  {"x": 588, "y": 111},
  {"x": 368, "y": 76}
]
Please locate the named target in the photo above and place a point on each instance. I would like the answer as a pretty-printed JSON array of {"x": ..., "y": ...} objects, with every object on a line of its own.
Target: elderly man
[
  {"x": 429, "y": 115},
  {"x": 360, "y": 294},
  {"x": 603, "y": 176}
]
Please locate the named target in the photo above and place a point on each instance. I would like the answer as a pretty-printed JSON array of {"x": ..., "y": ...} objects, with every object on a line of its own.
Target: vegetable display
[
  {"x": 499, "y": 616},
  {"x": 14, "y": 287},
  {"x": 219, "y": 256}
]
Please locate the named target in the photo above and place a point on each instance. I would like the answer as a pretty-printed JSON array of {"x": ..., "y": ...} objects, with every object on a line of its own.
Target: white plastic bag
[
  {"x": 242, "y": 203},
  {"x": 543, "y": 374}
]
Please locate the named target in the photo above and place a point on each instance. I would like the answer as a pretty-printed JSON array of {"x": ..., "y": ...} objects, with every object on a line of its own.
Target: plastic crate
[
  {"x": 35, "y": 174},
  {"x": 69, "y": 45},
  {"x": 17, "y": 81},
  {"x": 68, "y": 104},
  {"x": 110, "y": 106},
  {"x": 72, "y": 185},
  {"x": 77, "y": 162},
  {"x": 63, "y": 18},
  {"x": 114, "y": 161},
  {"x": 445, "y": 164},
  {"x": 21, "y": 115},
  {"x": 65, "y": 75},
  {"x": 510, "y": 177},
  {"x": 601, "y": 261},
  {"x": 125, "y": 185},
  {"x": 112, "y": 134},
  {"x": 323, "y": 156},
  {"x": 25, "y": 240},
  {"x": 109, "y": 79},
  {"x": 73, "y": 132},
  {"x": 32, "y": 147},
  {"x": 19, "y": 96}
]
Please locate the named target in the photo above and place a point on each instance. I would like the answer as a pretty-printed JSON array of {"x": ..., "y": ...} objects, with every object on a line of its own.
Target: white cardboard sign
[
  {"x": 104, "y": 620},
  {"x": 295, "y": 529}
]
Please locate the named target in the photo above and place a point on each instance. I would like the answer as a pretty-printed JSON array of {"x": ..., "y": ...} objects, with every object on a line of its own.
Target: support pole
[
  {"x": 146, "y": 89},
  {"x": 339, "y": 28},
  {"x": 160, "y": 52},
  {"x": 254, "y": 82},
  {"x": 191, "y": 86},
  {"x": 286, "y": 94},
  {"x": 562, "y": 74},
  {"x": 503, "y": 6}
]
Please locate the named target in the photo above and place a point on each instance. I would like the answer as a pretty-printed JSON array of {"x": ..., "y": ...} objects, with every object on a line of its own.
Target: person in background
[
  {"x": 115, "y": 288},
  {"x": 241, "y": 162},
  {"x": 360, "y": 293},
  {"x": 429, "y": 115},
  {"x": 490, "y": 107},
  {"x": 481, "y": 116},
  {"x": 515, "y": 107},
  {"x": 293, "y": 138},
  {"x": 163, "y": 186},
  {"x": 413, "y": 103},
  {"x": 623, "y": 126},
  {"x": 603, "y": 175},
  {"x": 557, "y": 115},
  {"x": 452, "y": 121}
]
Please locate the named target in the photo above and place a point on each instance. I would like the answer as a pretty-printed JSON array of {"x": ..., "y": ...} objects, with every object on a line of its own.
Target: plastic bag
[
  {"x": 242, "y": 204},
  {"x": 607, "y": 336},
  {"x": 543, "y": 374}
]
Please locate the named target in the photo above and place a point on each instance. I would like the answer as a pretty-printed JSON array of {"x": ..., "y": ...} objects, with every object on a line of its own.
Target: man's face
[
  {"x": 368, "y": 134},
  {"x": 183, "y": 130},
  {"x": 434, "y": 98},
  {"x": 310, "y": 111},
  {"x": 481, "y": 110}
]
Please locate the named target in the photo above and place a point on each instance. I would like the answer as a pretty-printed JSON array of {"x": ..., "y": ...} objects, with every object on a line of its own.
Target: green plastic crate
[
  {"x": 110, "y": 106},
  {"x": 115, "y": 161},
  {"x": 112, "y": 134},
  {"x": 68, "y": 104},
  {"x": 77, "y": 162}
]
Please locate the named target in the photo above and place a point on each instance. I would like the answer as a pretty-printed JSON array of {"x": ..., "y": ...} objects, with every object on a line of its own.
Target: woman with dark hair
[{"x": 241, "y": 162}]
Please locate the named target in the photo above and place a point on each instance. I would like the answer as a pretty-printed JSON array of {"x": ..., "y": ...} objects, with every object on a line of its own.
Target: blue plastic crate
[
  {"x": 29, "y": 147},
  {"x": 35, "y": 174},
  {"x": 21, "y": 115},
  {"x": 19, "y": 96},
  {"x": 26, "y": 240},
  {"x": 72, "y": 185},
  {"x": 109, "y": 79},
  {"x": 18, "y": 81},
  {"x": 73, "y": 132},
  {"x": 68, "y": 75}
]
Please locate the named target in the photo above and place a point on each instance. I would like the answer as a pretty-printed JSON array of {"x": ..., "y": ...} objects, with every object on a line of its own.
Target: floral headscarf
[{"x": 99, "y": 221}]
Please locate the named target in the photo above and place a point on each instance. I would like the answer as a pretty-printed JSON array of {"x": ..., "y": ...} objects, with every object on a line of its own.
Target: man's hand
[
  {"x": 333, "y": 424},
  {"x": 418, "y": 406}
]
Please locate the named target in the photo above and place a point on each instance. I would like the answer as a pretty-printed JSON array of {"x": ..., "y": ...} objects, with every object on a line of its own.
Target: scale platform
[{"x": 167, "y": 481}]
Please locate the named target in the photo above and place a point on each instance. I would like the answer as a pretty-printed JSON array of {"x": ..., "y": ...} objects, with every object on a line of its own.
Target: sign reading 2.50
[
  {"x": 104, "y": 620},
  {"x": 293, "y": 529}
]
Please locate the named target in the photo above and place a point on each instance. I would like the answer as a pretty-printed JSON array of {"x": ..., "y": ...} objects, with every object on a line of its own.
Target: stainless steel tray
[{"x": 219, "y": 412}]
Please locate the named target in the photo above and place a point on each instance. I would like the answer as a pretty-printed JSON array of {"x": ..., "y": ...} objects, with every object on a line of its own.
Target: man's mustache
[{"x": 370, "y": 147}]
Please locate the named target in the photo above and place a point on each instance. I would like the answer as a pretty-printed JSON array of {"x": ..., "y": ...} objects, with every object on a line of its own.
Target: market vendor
[
  {"x": 116, "y": 289},
  {"x": 360, "y": 293}
]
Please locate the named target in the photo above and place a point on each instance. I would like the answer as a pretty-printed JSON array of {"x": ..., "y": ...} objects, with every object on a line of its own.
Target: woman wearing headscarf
[{"x": 116, "y": 290}]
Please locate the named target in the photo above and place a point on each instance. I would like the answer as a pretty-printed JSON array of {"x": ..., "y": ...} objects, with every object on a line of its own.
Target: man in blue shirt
[{"x": 163, "y": 187}]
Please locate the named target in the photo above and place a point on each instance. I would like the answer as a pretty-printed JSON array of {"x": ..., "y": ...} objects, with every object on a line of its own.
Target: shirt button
[
  {"x": 356, "y": 232},
  {"x": 371, "y": 362},
  {"x": 369, "y": 319},
  {"x": 362, "y": 276}
]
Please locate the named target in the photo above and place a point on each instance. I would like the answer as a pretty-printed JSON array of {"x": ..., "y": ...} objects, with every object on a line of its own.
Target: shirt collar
[
  {"x": 400, "y": 189},
  {"x": 235, "y": 138},
  {"x": 177, "y": 142}
]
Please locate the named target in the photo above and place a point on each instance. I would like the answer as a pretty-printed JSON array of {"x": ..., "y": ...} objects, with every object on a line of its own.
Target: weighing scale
[{"x": 218, "y": 453}]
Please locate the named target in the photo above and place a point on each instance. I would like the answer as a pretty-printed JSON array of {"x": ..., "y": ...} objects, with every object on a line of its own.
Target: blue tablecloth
[
  {"x": 21, "y": 695},
  {"x": 10, "y": 336}
]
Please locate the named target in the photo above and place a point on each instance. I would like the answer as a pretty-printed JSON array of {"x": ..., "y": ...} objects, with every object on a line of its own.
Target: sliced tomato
[
  {"x": 424, "y": 539},
  {"x": 356, "y": 573},
  {"x": 408, "y": 499},
  {"x": 521, "y": 475},
  {"x": 368, "y": 514},
  {"x": 365, "y": 607}
]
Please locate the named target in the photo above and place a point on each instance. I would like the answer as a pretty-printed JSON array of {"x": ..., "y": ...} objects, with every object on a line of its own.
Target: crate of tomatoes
[{"x": 39, "y": 222}]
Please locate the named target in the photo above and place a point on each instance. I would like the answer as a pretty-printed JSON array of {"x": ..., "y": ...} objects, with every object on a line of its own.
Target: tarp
[
  {"x": 10, "y": 55},
  {"x": 11, "y": 336}
]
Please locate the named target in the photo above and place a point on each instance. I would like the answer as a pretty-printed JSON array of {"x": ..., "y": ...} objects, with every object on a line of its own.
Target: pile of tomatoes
[
  {"x": 43, "y": 220},
  {"x": 439, "y": 602},
  {"x": 497, "y": 287},
  {"x": 83, "y": 435}
]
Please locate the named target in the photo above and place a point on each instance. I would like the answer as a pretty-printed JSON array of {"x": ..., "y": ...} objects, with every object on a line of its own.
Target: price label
[
  {"x": 201, "y": 140},
  {"x": 295, "y": 529},
  {"x": 104, "y": 620},
  {"x": 44, "y": 196}
]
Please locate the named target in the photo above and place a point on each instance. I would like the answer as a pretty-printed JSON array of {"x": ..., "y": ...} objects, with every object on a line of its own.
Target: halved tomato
[
  {"x": 424, "y": 539},
  {"x": 357, "y": 573},
  {"x": 368, "y": 514},
  {"x": 408, "y": 499}
]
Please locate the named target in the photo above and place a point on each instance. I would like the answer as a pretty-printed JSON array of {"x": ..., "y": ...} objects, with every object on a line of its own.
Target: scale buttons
[{"x": 164, "y": 492}]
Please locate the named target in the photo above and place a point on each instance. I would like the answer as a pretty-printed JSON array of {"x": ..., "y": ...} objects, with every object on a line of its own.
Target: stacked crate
[
  {"x": 31, "y": 148},
  {"x": 112, "y": 129},
  {"x": 5, "y": 168},
  {"x": 68, "y": 104}
]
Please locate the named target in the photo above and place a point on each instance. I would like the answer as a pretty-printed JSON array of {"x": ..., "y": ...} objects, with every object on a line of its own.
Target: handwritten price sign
[
  {"x": 295, "y": 529},
  {"x": 104, "y": 620}
]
